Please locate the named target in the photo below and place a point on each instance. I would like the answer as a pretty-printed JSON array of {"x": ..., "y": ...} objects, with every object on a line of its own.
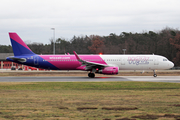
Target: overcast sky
[{"x": 33, "y": 19}]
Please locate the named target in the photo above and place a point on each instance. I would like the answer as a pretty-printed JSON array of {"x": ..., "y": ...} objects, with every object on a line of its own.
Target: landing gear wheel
[
  {"x": 91, "y": 75},
  {"x": 155, "y": 75}
]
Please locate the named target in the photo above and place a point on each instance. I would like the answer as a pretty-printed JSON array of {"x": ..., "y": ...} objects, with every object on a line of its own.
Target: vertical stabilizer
[{"x": 19, "y": 47}]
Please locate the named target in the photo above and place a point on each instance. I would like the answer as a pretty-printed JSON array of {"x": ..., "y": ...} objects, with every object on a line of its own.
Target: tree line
[{"x": 165, "y": 42}]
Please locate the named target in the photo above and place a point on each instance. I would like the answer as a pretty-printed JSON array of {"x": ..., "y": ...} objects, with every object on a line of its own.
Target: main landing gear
[
  {"x": 91, "y": 75},
  {"x": 155, "y": 75}
]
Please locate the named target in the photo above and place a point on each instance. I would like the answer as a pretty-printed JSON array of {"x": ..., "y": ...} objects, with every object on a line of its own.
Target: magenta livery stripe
[
  {"x": 16, "y": 38},
  {"x": 69, "y": 62}
]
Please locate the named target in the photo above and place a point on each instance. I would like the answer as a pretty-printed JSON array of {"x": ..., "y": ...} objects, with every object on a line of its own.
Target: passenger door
[
  {"x": 123, "y": 61},
  {"x": 156, "y": 62}
]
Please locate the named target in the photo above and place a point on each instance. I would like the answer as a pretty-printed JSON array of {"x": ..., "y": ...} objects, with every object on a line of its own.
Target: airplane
[{"x": 102, "y": 64}]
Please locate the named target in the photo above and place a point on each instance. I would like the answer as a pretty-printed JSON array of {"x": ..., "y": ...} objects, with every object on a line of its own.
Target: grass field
[{"x": 89, "y": 100}]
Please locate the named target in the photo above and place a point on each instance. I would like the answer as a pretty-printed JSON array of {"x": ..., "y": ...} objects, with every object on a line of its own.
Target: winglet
[{"x": 77, "y": 57}]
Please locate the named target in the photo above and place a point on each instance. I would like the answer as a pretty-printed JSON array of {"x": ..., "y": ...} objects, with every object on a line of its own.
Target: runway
[{"x": 171, "y": 79}]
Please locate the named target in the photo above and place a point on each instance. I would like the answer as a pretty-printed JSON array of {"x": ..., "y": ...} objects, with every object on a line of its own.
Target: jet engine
[{"x": 109, "y": 70}]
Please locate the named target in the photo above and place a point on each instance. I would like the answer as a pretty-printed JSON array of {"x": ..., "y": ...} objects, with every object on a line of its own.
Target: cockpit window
[{"x": 164, "y": 59}]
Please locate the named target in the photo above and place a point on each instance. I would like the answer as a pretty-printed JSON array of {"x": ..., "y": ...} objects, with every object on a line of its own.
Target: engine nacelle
[{"x": 109, "y": 70}]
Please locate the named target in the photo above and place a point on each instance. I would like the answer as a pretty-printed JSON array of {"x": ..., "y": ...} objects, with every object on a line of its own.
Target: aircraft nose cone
[{"x": 171, "y": 64}]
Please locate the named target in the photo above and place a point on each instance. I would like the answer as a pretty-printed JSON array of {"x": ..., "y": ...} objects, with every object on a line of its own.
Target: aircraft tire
[
  {"x": 91, "y": 75},
  {"x": 155, "y": 75}
]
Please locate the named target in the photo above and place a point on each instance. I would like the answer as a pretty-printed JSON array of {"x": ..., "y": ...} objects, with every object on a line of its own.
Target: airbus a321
[{"x": 102, "y": 64}]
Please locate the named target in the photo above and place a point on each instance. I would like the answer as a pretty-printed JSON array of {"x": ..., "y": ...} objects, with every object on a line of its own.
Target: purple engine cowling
[{"x": 109, "y": 70}]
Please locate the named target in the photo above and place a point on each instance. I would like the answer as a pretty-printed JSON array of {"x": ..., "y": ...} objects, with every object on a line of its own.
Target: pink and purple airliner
[{"x": 102, "y": 64}]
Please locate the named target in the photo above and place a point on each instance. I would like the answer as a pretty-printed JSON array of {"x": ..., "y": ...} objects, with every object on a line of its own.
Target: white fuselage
[{"x": 138, "y": 62}]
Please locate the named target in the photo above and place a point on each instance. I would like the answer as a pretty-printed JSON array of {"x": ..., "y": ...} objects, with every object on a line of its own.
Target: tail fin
[{"x": 19, "y": 47}]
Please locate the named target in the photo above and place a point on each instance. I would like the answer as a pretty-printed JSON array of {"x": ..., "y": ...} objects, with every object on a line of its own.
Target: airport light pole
[
  {"x": 124, "y": 51},
  {"x": 54, "y": 40}
]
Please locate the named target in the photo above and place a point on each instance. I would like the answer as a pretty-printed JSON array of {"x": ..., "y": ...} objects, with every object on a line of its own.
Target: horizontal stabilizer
[{"x": 17, "y": 59}]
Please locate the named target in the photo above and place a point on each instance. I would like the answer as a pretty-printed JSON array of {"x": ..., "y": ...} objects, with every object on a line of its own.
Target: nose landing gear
[{"x": 155, "y": 75}]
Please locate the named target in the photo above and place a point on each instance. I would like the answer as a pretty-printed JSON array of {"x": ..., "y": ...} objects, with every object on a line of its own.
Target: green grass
[
  {"x": 89, "y": 86},
  {"x": 61, "y": 100}
]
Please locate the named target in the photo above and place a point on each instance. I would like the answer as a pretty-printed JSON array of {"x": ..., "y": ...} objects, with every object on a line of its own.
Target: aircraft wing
[{"x": 88, "y": 64}]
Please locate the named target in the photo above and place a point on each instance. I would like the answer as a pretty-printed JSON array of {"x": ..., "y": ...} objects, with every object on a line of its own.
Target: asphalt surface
[{"x": 172, "y": 79}]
